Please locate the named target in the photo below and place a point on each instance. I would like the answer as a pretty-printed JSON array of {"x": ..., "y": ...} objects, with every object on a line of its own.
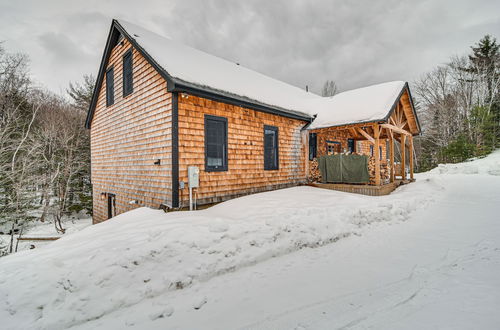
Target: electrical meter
[{"x": 193, "y": 176}]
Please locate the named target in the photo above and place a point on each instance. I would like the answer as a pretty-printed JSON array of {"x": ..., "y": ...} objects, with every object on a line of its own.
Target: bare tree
[{"x": 329, "y": 88}]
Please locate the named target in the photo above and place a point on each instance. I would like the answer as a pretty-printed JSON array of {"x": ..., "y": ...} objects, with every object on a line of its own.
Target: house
[{"x": 160, "y": 107}]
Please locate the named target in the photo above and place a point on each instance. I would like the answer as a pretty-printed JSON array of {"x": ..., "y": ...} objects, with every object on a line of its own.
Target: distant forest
[
  {"x": 458, "y": 105},
  {"x": 45, "y": 149}
]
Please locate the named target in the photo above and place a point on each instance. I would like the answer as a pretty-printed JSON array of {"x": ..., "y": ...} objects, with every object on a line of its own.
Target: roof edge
[
  {"x": 178, "y": 85},
  {"x": 221, "y": 96},
  {"x": 100, "y": 75},
  {"x": 116, "y": 27},
  {"x": 406, "y": 87}
]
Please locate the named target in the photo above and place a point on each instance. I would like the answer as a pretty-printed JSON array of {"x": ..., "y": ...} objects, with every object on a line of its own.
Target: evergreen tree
[
  {"x": 485, "y": 59},
  {"x": 80, "y": 195},
  {"x": 81, "y": 93}
]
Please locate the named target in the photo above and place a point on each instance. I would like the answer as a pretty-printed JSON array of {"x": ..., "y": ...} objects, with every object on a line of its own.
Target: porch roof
[{"x": 363, "y": 105}]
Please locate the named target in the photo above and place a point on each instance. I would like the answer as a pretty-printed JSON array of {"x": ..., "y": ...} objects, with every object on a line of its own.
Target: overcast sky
[{"x": 355, "y": 43}]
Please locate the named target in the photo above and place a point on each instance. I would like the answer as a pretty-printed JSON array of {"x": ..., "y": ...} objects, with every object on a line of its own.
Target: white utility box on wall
[{"x": 193, "y": 176}]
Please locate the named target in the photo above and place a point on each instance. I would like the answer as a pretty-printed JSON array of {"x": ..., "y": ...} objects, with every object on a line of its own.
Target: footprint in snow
[
  {"x": 202, "y": 301},
  {"x": 161, "y": 313}
]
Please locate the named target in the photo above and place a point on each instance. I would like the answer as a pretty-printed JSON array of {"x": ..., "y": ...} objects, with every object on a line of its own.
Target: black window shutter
[
  {"x": 271, "y": 155},
  {"x": 110, "y": 87},
  {"x": 215, "y": 143},
  {"x": 128, "y": 85},
  {"x": 312, "y": 145}
]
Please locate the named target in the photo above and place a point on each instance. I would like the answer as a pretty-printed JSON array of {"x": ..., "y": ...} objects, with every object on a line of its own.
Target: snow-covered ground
[
  {"x": 427, "y": 256},
  {"x": 46, "y": 229}
]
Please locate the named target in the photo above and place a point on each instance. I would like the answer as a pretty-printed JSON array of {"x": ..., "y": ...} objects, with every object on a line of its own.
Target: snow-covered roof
[
  {"x": 372, "y": 103},
  {"x": 191, "y": 68},
  {"x": 196, "y": 67}
]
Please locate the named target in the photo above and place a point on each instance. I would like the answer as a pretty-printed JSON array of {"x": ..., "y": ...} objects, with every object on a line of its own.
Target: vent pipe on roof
[{"x": 307, "y": 88}]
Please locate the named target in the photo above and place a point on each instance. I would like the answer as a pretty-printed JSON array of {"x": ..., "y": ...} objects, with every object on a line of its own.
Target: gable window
[
  {"x": 128, "y": 84},
  {"x": 215, "y": 143},
  {"x": 271, "y": 160},
  {"x": 110, "y": 87},
  {"x": 312, "y": 145}
]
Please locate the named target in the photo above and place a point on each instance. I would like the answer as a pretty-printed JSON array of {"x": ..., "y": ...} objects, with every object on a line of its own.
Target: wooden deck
[{"x": 362, "y": 189}]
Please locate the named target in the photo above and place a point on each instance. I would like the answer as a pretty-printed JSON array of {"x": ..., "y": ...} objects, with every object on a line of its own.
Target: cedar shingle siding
[
  {"x": 245, "y": 150},
  {"x": 129, "y": 136}
]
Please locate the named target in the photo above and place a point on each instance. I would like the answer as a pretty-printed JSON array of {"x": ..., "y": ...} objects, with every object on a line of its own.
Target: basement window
[
  {"x": 215, "y": 143},
  {"x": 271, "y": 160},
  {"x": 128, "y": 84},
  {"x": 110, "y": 87}
]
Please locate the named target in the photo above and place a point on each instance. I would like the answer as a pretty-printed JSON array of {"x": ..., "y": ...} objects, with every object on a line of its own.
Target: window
[
  {"x": 312, "y": 145},
  {"x": 350, "y": 145},
  {"x": 271, "y": 161},
  {"x": 215, "y": 143},
  {"x": 371, "y": 150},
  {"x": 380, "y": 152},
  {"x": 333, "y": 147},
  {"x": 110, "y": 87},
  {"x": 128, "y": 84}
]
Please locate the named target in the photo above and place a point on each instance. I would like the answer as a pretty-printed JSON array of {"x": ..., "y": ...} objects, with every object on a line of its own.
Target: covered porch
[{"x": 387, "y": 143}]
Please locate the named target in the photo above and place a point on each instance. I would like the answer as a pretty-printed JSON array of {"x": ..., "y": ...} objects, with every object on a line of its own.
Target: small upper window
[
  {"x": 110, "y": 87},
  {"x": 128, "y": 84},
  {"x": 371, "y": 150},
  {"x": 271, "y": 159},
  {"x": 215, "y": 143},
  {"x": 380, "y": 152}
]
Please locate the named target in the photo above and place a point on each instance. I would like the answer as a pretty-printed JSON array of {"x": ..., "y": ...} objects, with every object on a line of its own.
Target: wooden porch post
[
  {"x": 410, "y": 138},
  {"x": 376, "y": 153},
  {"x": 403, "y": 156},
  {"x": 391, "y": 153}
]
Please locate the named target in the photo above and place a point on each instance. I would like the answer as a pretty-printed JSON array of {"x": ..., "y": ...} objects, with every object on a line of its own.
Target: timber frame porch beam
[
  {"x": 396, "y": 129},
  {"x": 366, "y": 135}
]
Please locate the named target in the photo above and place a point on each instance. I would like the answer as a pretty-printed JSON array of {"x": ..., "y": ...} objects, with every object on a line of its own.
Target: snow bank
[
  {"x": 143, "y": 253},
  {"x": 146, "y": 253},
  {"x": 488, "y": 165}
]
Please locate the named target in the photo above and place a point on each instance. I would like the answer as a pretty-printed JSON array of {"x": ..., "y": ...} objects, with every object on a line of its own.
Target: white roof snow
[
  {"x": 365, "y": 104},
  {"x": 204, "y": 70}
]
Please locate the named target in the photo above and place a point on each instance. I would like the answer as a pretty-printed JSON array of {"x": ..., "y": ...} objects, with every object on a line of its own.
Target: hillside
[{"x": 276, "y": 260}]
